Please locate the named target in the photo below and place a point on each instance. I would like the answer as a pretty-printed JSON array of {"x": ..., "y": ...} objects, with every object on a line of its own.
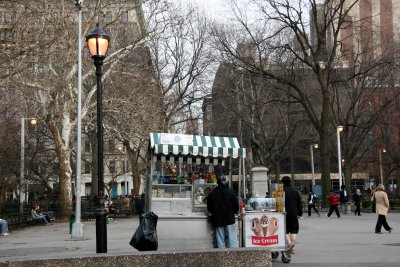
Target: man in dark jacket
[
  {"x": 293, "y": 210},
  {"x": 222, "y": 203}
]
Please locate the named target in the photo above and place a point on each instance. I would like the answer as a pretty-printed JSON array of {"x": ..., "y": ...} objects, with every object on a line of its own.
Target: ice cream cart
[
  {"x": 264, "y": 223},
  {"x": 182, "y": 171}
]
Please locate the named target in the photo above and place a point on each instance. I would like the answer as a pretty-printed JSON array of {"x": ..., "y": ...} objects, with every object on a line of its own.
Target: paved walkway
[{"x": 348, "y": 241}]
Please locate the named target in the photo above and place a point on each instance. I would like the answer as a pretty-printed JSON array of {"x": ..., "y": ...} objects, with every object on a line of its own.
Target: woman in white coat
[{"x": 382, "y": 207}]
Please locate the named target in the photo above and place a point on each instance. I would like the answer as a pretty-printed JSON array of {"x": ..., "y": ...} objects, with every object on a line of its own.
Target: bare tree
[
  {"x": 50, "y": 70},
  {"x": 305, "y": 48},
  {"x": 182, "y": 61}
]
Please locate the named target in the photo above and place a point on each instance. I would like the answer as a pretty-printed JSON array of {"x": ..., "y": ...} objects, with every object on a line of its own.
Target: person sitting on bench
[
  {"x": 4, "y": 227},
  {"x": 37, "y": 216}
]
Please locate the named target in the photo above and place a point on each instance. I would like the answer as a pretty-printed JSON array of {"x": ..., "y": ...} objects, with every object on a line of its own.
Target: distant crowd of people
[{"x": 135, "y": 204}]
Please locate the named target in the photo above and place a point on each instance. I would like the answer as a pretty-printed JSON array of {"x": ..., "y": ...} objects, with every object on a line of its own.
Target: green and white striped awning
[{"x": 196, "y": 145}]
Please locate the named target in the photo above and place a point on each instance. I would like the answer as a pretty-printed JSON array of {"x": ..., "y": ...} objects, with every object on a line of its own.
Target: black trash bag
[{"x": 145, "y": 237}]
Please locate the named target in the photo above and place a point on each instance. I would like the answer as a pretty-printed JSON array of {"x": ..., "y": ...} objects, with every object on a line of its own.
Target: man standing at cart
[
  {"x": 222, "y": 203},
  {"x": 293, "y": 209}
]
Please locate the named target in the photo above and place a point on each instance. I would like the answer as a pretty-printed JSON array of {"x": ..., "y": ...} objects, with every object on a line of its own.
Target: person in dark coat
[
  {"x": 222, "y": 203},
  {"x": 294, "y": 210},
  {"x": 357, "y": 202},
  {"x": 312, "y": 201}
]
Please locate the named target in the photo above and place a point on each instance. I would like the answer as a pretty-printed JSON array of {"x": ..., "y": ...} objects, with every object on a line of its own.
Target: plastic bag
[{"x": 145, "y": 237}]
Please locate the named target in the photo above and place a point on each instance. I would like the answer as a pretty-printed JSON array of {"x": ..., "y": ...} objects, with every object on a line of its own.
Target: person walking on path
[
  {"x": 343, "y": 198},
  {"x": 382, "y": 207},
  {"x": 312, "y": 200},
  {"x": 293, "y": 211},
  {"x": 357, "y": 202},
  {"x": 333, "y": 202},
  {"x": 222, "y": 203}
]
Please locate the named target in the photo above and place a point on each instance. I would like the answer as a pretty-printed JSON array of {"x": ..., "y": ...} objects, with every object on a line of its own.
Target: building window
[
  {"x": 111, "y": 145},
  {"x": 87, "y": 167},
  {"x": 125, "y": 16},
  {"x": 123, "y": 166},
  {"x": 111, "y": 167},
  {"x": 87, "y": 146}
]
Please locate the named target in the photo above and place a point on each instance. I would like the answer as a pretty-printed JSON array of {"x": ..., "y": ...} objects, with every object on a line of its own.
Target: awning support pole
[
  {"x": 240, "y": 180},
  {"x": 244, "y": 178}
]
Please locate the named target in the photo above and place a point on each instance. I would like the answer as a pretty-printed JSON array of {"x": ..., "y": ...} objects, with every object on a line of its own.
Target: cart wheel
[
  {"x": 275, "y": 255},
  {"x": 286, "y": 257}
]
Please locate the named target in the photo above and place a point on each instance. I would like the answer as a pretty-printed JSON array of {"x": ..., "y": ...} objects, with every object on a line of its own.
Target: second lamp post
[
  {"x": 312, "y": 146},
  {"x": 338, "y": 130},
  {"x": 97, "y": 42}
]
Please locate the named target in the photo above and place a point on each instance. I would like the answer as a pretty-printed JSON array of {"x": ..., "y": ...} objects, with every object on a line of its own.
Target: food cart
[
  {"x": 264, "y": 224},
  {"x": 182, "y": 171}
]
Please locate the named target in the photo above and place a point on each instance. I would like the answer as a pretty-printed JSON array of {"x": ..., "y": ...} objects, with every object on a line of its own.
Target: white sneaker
[{"x": 5, "y": 234}]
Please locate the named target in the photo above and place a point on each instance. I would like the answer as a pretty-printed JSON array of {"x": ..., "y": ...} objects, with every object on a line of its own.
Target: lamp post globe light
[{"x": 97, "y": 42}]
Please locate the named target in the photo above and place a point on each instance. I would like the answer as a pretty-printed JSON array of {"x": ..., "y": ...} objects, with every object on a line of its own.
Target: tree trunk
[
  {"x": 64, "y": 198},
  {"x": 134, "y": 158},
  {"x": 277, "y": 172},
  {"x": 62, "y": 147},
  {"x": 348, "y": 171},
  {"x": 93, "y": 167},
  {"x": 325, "y": 147}
]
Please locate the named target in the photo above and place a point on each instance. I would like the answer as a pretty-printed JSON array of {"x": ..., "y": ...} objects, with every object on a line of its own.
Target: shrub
[
  {"x": 395, "y": 202},
  {"x": 366, "y": 203}
]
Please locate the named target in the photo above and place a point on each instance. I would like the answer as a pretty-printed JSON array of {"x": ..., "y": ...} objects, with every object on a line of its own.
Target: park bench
[{"x": 17, "y": 221}]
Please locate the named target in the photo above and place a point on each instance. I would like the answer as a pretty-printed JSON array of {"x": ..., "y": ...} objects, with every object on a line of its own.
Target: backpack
[{"x": 314, "y": 199}]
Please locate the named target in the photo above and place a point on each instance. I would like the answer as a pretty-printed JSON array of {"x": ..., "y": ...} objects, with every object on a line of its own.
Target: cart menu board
[{"x": 264, "y": 229}]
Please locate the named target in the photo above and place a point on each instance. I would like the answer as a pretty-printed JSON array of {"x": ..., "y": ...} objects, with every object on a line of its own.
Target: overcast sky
[{"x": 214, "y": 8}]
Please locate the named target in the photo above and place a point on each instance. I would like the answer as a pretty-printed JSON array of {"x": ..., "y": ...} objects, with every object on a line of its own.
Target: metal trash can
[{"x": 71, "y": 222}]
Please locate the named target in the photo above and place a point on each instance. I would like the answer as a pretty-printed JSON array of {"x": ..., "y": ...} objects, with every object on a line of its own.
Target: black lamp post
[{"x": 97, "y": 42}]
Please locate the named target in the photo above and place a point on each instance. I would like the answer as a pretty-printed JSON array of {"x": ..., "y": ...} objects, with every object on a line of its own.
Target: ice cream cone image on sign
[
  {"x": 273, "y": 225},
  {"x": 256, "y": 226},
  {"x": 264, "y": 224}
]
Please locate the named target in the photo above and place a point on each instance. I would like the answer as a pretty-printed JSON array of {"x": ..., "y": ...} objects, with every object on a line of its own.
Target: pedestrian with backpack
[{"x": 312, "y": 201}]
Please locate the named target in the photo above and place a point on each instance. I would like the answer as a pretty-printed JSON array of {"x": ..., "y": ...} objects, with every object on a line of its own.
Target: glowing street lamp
[{"x": 97, "y": 42}]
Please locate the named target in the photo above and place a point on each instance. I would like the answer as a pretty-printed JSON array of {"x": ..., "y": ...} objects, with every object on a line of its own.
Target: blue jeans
[
  {"x": 229, "y": 232},
  {"x": 4, "y": 226},
  {"x": 42, "y": 219}
]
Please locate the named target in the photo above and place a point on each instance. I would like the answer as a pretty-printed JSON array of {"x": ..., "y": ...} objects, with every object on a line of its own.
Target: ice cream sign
[{"x": 264, "y": 229}]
